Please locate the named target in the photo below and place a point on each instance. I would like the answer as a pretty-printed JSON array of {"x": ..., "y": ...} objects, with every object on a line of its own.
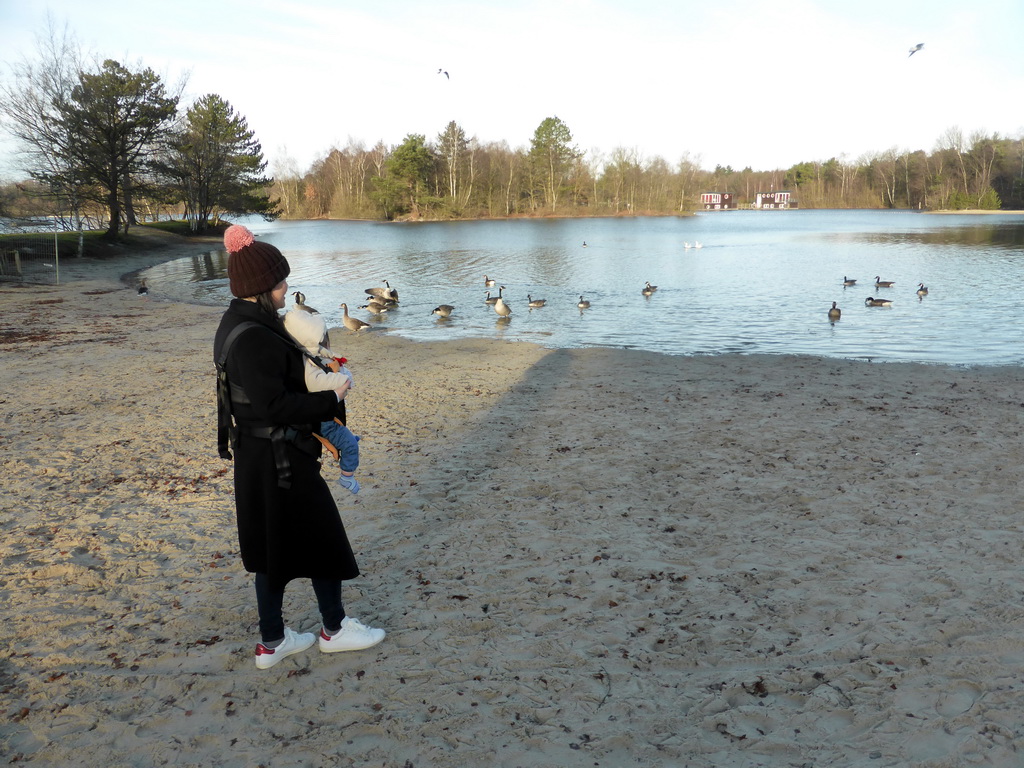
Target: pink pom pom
[{"x": 237, "y": 237}]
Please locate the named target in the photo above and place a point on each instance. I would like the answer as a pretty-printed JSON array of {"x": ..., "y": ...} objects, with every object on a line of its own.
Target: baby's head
[{"x": 307, "y": 328}]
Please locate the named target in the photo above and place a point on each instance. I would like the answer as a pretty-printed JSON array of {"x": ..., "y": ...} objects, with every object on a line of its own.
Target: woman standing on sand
[{"x": 288, "y": 522}]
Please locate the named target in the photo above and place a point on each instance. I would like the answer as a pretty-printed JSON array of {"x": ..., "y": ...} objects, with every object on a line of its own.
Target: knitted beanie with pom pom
[{"x": 253, "y": 267}]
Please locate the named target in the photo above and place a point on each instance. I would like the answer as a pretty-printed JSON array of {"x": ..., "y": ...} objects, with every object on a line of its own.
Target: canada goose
[
  {"x": 532, "y": 302},
  {"x": 503, "y": 309},
  {"x": 353, "y": 323},
  {"x": 848, "y": 282},
  {"x": 581, "y": 303},
  {"x": 143, "y": 288},
  {"x": 300, "y": 303},
  {"x": 880, "y": 283},
  {"x": 488, "y": 282},
  {"x": 443, "y": 310},
  {"x": 922, "y": 289},
  {"x": 494, "y": 299},
  {"x": 375, "y": 307},
  {"x": 648, "y": 289},
  {"x": 835, "y": 313},
  {"x": 384, "y": 293},
  {"x": 873, "y": 302}
]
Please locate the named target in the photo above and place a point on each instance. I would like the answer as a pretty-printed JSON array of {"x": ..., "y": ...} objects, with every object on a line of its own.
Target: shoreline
[{"x": 590, "y": 555}]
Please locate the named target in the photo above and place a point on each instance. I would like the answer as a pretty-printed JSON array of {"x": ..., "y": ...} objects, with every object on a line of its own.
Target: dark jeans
[{"x": 270, "y": 606}]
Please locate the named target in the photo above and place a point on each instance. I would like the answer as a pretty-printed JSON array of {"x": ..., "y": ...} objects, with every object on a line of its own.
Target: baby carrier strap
[{"x": 227, "y": 393}]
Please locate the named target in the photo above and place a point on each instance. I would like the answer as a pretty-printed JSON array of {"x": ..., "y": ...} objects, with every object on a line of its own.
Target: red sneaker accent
[
  {"x": 323, "y": 634},
  {"x": 261, "y": 650}
]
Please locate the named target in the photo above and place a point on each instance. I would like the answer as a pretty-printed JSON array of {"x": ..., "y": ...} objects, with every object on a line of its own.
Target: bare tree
[{"x": 31, "y": 106}]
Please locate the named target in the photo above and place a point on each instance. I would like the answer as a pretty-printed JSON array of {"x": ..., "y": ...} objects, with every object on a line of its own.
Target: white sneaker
[
  {"x": 293, "y": 643},
  {"x": 353, "y": 636}
]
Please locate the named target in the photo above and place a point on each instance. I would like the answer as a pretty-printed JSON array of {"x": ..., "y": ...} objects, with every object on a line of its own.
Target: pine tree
[{"x": 215, "y": 165}]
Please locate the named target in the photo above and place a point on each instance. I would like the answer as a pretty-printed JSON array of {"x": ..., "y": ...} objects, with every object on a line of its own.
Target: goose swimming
[
  {"x": 835, "y": 313},
  {"x": 581, "y": 303},
  {"x": 648, "y": 289},
  {"x": 532, "y": 302},
  {"x": 880, "y": 283},
  {"x": 494, "y": 299},
  {"x": 870, "y": 301},
  {"x": 443, "y": 310},
  {"x": 922, "y": 289},
  {"x": 848, "y": 282}
]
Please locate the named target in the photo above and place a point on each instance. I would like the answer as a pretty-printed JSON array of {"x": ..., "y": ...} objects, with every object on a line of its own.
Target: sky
[{"x": 738, "y": 82}]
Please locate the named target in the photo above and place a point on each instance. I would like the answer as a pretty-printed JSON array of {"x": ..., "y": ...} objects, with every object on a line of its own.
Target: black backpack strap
[{"x": 227, "y": 434}]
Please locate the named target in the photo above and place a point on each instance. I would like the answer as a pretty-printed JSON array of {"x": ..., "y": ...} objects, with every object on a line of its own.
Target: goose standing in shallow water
[
  {"x": 375, "y": 307},
  {"x": 353, "y": 323},
  {"x": 503, "y": 309},
  {"x": 534, "y": 303},
  {"x": 581, "y": 303},
  {"x": 300, "y": 303},
  {"x": 870, "y": 301},
  {"x": 443, "y": 310},
  {"x": 835, "y": 313},
  {"x": 880, "y": 283},
  {"x": 143, "y": 288},
  {"x": 388, "y": 293}
]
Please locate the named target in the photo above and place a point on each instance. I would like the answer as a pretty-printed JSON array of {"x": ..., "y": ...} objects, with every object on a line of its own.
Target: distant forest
[{"x": 452, "y": 176}]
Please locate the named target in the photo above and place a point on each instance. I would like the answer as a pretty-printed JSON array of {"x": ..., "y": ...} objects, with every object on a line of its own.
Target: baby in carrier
[{"x": 310, "y": 331}]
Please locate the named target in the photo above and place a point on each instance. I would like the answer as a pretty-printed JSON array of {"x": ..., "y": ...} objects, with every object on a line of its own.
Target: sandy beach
[{"x": 582, "y": 558}]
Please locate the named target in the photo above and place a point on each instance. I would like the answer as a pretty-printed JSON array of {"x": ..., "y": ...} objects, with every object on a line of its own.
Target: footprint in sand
[{"x": 959, "y": 699}]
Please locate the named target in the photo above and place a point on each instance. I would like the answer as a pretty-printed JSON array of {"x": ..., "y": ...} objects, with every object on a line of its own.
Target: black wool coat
[{"x": 286, "y": 533}]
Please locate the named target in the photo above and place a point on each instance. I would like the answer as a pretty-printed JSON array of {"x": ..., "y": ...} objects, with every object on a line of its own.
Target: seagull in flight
[
  {"x": 442, "y": 72},
  {"x": 915, "y": 49}
]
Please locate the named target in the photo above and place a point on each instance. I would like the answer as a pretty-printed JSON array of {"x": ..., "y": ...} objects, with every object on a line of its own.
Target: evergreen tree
[
  {"x": 408, "y": 169},
  {"x": 215, "y": 164},
  {"x": 552, "y": 155},
  {"x": 115, "y": 118}
]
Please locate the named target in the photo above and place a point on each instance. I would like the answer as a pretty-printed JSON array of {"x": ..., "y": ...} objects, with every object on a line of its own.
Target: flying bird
[
  {"x": 915, "y": 49},
  {"x": 442, "y": 72}
]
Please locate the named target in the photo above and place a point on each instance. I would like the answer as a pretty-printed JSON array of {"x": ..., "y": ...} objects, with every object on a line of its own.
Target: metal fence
[{"x": 30, "y": 258}]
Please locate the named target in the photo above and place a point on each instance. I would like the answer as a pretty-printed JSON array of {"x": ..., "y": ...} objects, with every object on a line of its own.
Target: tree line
[
  {"x": 103, "y": 141},
  {"x": 453, "y": 176}
]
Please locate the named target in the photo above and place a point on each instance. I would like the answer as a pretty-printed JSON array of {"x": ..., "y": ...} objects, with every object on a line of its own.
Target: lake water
[{"x": 762, "y": 282}]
